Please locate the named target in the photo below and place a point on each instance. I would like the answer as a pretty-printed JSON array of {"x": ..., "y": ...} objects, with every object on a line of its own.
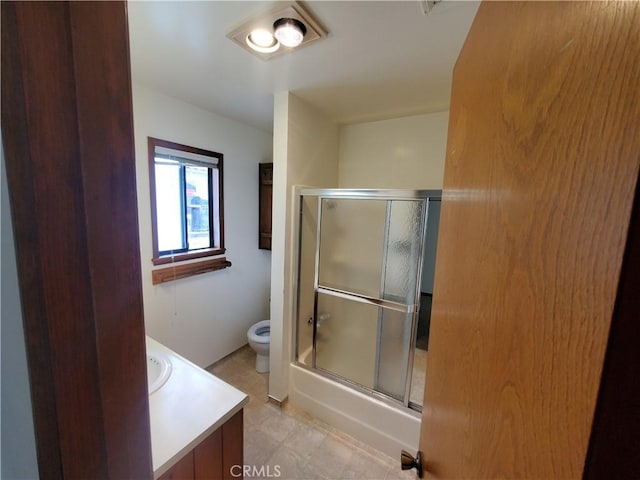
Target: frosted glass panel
[
  {"x": 393, "y": 355},
  {"x": 404, "y": 247},
  {"x": 306, "y": 276},
  {"x": 346, "y": 339},
  {"x": 351, "y": 245},
  {"x": 401, "y": 267}
]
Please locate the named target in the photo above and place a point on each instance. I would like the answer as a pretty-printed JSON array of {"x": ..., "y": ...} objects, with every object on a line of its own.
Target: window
[{"x": 186, "y": 202}]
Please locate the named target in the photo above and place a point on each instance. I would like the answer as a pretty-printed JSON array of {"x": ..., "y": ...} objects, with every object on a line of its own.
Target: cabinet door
[
  {"x": 219, "y": 456},
  {"x": 232, "y": 441},
  {"x": 183, "y": 470},
  {"x": 208, "y": 457}
]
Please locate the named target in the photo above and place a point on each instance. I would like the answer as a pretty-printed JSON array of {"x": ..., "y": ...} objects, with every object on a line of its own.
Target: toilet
[{"x": 259, "y": 337}]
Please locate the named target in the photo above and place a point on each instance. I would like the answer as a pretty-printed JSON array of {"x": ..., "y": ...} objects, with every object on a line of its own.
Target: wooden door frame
[{"x": 68, "y": 138}]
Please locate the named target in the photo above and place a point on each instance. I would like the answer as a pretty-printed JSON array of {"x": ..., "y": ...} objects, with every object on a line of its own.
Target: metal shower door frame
[{"x": 413, "y": 309}]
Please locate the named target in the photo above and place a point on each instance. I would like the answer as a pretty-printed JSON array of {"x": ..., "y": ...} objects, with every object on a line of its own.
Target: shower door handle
[
  {"x": 321, "y": 319},
  {"x": 378, "y": 302}
]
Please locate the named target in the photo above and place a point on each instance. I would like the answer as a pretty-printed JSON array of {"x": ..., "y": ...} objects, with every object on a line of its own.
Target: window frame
[{"x": 163, "y": 259}]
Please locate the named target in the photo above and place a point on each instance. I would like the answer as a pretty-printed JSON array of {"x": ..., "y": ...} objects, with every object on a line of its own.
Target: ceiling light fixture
[
  {"x": 262, "y": 40},
  {"x": 289, "y": 31},
  {"x": 286, "y": 27}
]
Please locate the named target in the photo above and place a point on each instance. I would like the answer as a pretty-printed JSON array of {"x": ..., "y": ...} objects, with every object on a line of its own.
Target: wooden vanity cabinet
[
  {"x": 182, "y": 470},
  {"x": 207, "y": 459},
  {"x": 214, "y": 457},
  {"x": 265, "y": 199}
]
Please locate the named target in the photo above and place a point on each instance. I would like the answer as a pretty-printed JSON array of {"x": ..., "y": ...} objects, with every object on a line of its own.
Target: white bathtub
[{"x": 364, "y": 417}]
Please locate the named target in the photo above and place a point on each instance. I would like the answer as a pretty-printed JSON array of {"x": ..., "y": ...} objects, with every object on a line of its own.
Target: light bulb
[
  {"x": 262, "y": 40},
  {"x": 289, "y": 31}
]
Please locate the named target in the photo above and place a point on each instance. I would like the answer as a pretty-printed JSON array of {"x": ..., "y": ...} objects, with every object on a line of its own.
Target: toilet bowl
[{"x": 259, "y": 337}]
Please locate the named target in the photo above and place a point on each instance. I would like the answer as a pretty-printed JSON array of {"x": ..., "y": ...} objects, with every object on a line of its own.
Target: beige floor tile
[
  {"x": 278, "y": 427},
  {"x": 331, "y": 457},
  {"x": 311, "y": 473},
  {"x": 365, "y": 466},
  {"x": 258, "y": 448},
  {"x": 305, "y": 439},
  {"x": 257, "y": 411},
  {"x": 224, "y": 368},
  {"x": 301, "y": 446},
  {"x": 254, "y": 385},
  {"x": 289, "y": 463},
  {"x": 398, "y": 474}
]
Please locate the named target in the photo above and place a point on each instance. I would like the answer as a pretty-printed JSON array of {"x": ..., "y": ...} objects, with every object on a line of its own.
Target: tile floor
[{"x": 301, "y": 447}]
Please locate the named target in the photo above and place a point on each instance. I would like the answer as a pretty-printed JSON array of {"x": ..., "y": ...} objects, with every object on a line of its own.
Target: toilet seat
[{"x": 260, "y": 332}]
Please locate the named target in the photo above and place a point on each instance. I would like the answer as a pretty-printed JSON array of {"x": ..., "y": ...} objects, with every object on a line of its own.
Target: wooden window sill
[
  {"x": 175, "y": 272},
  {"x": 179, "y": 257}
]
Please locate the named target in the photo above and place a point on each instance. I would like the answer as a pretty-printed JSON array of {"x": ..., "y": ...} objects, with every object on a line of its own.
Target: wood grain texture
[
  {"x": 208, "y": 457},
  {"x": 16, "y": 149},
  {"x": 183, "y": 470},
  {"x": 176, "y": 272},
  {"x": 105, "y": 119},
  {"x": 51, "y": 226},
  {"x": 541, "y": 169},
  {"x": 67, "y": 130},
  {"x": 232, "y": 446}
]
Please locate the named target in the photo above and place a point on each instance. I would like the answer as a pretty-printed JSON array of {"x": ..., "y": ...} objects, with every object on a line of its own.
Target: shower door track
[
  {"x": 384, "y": 194},
  {"x": 413, "y": 409}
]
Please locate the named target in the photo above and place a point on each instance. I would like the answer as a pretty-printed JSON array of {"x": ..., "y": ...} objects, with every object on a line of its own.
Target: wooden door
[{"x": 541, "y": 169}]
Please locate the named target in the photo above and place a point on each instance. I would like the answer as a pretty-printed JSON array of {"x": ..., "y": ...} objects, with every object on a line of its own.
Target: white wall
[
  {"x": 18, "y": 458},
  {"x": 305, "y": 152},
  {"x": 405, "y": 152},
  {"x": 205, "y": 317}
]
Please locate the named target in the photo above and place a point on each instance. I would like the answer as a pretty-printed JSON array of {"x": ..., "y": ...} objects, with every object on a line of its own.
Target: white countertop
[{"x": 190, "y": 406}]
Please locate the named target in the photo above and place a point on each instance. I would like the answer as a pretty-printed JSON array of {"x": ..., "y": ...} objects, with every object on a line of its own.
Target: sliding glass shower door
[{"x": 366, "y": 264}]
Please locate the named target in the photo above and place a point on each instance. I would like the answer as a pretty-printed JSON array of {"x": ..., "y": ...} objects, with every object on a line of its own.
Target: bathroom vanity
[
  {"x": 218, "y": 453},
  {"x": 196, "y": 422}
]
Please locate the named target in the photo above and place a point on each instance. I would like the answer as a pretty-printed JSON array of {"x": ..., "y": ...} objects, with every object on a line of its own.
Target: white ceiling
[{"x": 381, "y": 59}]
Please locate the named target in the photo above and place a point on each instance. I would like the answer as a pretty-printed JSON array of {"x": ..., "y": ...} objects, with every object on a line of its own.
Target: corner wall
[
  {"x": 205, "y": 317},
  {"x": 305, "y": 152},
  {"x": 405, "y": 152}
]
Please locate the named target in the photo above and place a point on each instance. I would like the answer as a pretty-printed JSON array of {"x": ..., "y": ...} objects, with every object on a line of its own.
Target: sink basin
[{"x": 158, "y": 370}]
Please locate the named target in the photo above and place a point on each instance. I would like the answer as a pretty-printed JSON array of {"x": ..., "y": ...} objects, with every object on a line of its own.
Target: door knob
[{"x": 408, "y": 462}]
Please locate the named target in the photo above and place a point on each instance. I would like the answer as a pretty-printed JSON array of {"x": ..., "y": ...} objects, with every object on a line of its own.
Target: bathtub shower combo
[{"x": 360, "y": 268}]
